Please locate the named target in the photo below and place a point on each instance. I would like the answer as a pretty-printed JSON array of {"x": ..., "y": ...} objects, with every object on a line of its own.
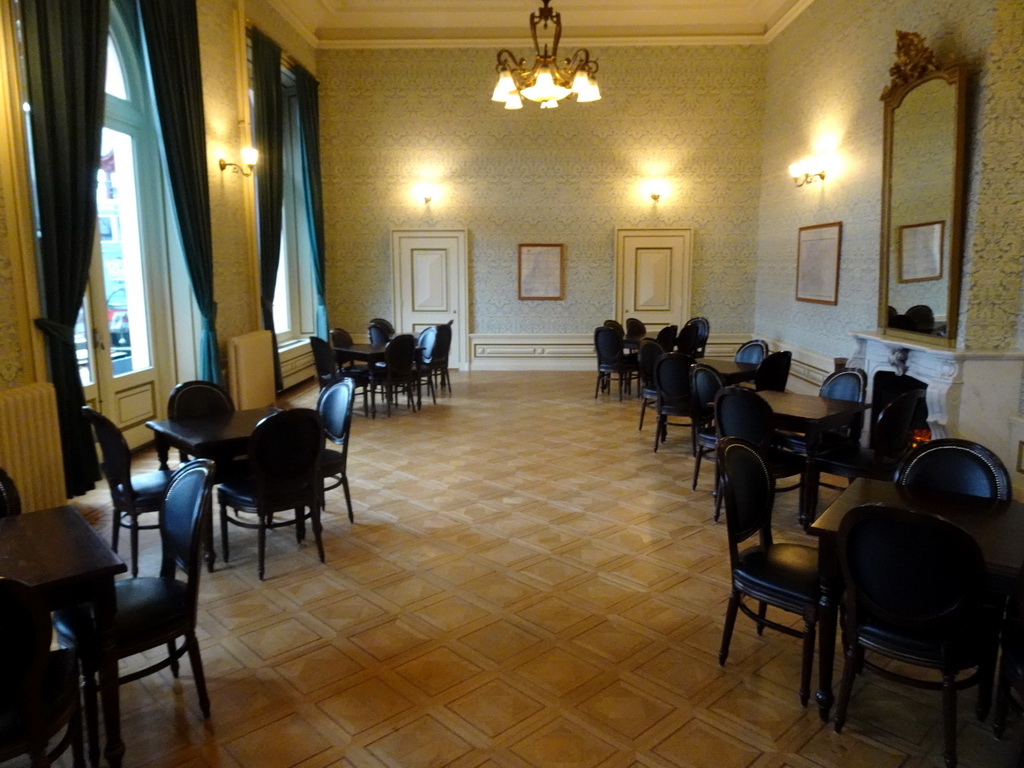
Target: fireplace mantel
[{"x": 971, "y": 394}]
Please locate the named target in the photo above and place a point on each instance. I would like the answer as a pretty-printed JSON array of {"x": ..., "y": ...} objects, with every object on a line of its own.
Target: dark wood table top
[
  {"x": 731, "y": 371},
  {"x": 205, "y": 437},
  {"x": 53, "y": 549},
  {"x": 997, "y": 526},
  {"x": 802, "y": 412},
  {"x": 362, "y": 353}
]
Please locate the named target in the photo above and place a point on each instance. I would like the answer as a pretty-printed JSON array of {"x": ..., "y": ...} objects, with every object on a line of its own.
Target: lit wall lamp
[
  {"x": 656, "y": 188},
  {"x": 249, "y": 158},
  {"x": 807, "y": 171},
  {"x": 425, "y": 192}
]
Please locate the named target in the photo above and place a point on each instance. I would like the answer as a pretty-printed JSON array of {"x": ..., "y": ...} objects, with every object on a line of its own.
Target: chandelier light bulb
[
  {"x": 513, "y": 101},
  {"x": 505, "y": 86}
]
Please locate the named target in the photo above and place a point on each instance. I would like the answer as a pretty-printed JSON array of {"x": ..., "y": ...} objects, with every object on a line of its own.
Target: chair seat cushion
[
  {"x": 241, "y": 494},
  {"x": 148, "y": 488},
  {"x": 926, "y": 649},
  {"x": 60, "y": 688},
  {"x": 784, "y": 463},
  {"x": 783, "y": 572},
  {"x": 854, "y": 460},
  {"x": 332, "y": 462}
]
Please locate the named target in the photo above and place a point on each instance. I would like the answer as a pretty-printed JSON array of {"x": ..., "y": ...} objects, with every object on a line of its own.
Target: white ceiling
[{"x": 349, "y": 23}]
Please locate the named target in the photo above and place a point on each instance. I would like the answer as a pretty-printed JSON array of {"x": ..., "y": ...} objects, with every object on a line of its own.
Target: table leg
[
  {"x": 828, "y": 612},
  {"x": 106, "y": 607},
  {"x": 162, "y": 450}
]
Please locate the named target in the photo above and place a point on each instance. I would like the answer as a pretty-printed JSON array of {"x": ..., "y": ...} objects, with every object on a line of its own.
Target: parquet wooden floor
[{"x": 526, "y": 584}]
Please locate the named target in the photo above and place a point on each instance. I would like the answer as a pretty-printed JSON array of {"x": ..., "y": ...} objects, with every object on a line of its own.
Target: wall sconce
[
  {"x": 807, "y": 171},
  {"x": 426, "y": 192},
  {"x": 249, "y": 158},
  {"x": 656, "y": 188}
]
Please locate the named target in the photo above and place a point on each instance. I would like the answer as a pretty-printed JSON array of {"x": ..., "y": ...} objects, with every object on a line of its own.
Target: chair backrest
[
  {"x": 922, "y": 316},
  {"x": 117, "y": 457},
  {"x": 635, "y": 327},
  {"x": 400, "y": 355},
  {"x": 199, "y": 400},
  {"x": 753, "y": 351},
  {"x": 324, "y": 361},
  {"x": 749, "y": 492},
  {"x": 846, "y": 384},
  {"x": 608, "y": 345},
  {"x": 379, "y": 333},
  {"x": 672, "y": 378},
  {"x": 773, "y": 372},
  {"x": 24, "y": 651},
  {"x": 951, "y": 466},
  {"x": 893, "y": 431},
  {"x": 335, "y": 408},
  {"x": 743, "y": 413},
  {"x": 911, "y": 570},
  {"x": 426, "y": 342},
  {"x": 184, "y": 515},
  {"x": 705, "y": 384},
  {"x": 10, "y": 499},
  {"x": 284, "y": 452},
  {"x": 693, "y": 337},
  {"x": 648, "y": 355},
  {"x": 443, "y": 343},
  {"x": 616, "y": 325},
  {"x": 389, "y": 329},
  {"x": 667, "y": 337},
  {"x": 341, "y": 338}
]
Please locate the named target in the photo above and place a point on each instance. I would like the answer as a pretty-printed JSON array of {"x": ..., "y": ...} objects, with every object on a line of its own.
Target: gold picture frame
[
  {"x": 541, "y": 272},
  {"x": 817, "y": 263}
]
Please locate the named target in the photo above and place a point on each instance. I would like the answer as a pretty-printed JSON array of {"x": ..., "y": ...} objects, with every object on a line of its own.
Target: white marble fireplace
[{"x": 971, "y": 394}]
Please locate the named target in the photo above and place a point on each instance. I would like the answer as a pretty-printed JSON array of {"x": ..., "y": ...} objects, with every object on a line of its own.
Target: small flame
[{"x": 920, "y": 436}]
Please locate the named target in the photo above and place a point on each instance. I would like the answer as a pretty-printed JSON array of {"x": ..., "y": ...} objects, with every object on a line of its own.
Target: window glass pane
[
  {"x": 282, "y": 315},
  {"x": 121, "y": 250},
  {"x": 82, "y": 349},
  {"x": 115, "y": 74}
]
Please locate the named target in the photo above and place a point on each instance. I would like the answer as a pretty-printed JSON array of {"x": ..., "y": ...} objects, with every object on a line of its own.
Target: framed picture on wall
[
  {"x": 920, "y": 251},
  {"x": 540, "y": 271},
  {"x": 817, "y": 263}
]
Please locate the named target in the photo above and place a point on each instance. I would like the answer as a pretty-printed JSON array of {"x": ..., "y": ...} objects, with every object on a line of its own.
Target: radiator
[
  {"x": 251, "y": 370},
  {"x": 30, "y": 445}
]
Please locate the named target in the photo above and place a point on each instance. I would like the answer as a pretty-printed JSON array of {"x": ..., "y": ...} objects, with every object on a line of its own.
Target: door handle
[{"x": 97, "y": 340}]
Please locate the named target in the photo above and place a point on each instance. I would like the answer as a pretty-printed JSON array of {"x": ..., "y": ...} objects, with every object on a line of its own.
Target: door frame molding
[
  {"x": 461, "y": 341},
  {"x": 686, "y": 295}
]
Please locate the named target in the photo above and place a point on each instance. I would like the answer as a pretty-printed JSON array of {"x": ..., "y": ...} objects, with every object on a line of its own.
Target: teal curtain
[
  {"x": 268, "y": 127},
  {"x": 66, "y": 61},
  {"x": 172, "y": 44},
  {"x": 306, "y": 89}
]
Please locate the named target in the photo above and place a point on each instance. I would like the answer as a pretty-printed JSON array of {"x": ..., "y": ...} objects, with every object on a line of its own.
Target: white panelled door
[
  {"x": 652, "y": 276},
  {"x": 429, "y": 280}
]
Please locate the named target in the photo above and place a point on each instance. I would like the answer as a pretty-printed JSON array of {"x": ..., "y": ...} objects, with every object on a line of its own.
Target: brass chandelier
[{"x": 547, "y": 81}]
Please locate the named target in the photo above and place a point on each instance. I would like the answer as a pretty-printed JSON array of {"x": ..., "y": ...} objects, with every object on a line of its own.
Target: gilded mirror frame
[{"x": 915, "y": 67}]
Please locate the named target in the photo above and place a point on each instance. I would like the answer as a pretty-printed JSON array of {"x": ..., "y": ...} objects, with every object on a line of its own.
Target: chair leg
[
  {"x": 75, "y": 735},
  {"x": 261, "y": 545},
  {"x": 850, "y": 667},
  {"x": 92, "y": 723},
  {"x": 809, "y": 495},
  {"x": 986, "y": 677},
  {"x": 643, "y": 407},
  {"x": 196, "y": 661},
  {"x": 300, "y": 525},
  {"x": 807, "y": 662},
  {"x": 348, "y": 498},
  {"x": 949, "y": 717},
  {"x": 171, "y": 655},
  {"x": 1002, "y": 702},
  {"x": 317, "y": 532},
  {"x": 133, "y": 537},
  {"x": 718, "y": 493},
  {"x": 730, "y": 622},
  {"x": 659, "y": 427},
  {"x": 224, "y": 531},
  {"x": 115, "y": 531},
  {"x": 762, "y": 611},
  {"x": 696, "y": 467}
]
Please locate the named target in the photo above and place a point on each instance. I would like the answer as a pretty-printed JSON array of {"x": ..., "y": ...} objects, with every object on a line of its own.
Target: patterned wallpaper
[
  {"x": 10, "y": 361},
  {"x": 691, "y": 115},
  {"x": 824, "y": 88}
]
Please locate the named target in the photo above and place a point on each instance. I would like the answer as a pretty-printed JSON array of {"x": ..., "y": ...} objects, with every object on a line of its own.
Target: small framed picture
[
  {"x": 817, "y": 263},
  {"x": 920, "y": 251},
  {"x": 540, "y": 272}
]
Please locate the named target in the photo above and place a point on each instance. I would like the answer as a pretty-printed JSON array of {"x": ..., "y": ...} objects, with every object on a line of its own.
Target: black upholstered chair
[
  {"x": 10, "y": 499},
  {"x": 635, "y": 327},
  {"x": 204, "y": 400},
  {"x": 705, "y": 384},
  {"x": 616, "y": 325},
  {"x": 425, "y": 343},
  {"x": 773, "y": 372},
  {"x": 153, "y": 612},
  {"x": 672, "y": 385},
  {"x": 954, "y": 467},
  {"x": 779, "y": 575},
  {"x": 130, "y": 495},
  {"x": 439, "y": 359},
  {"x": 360, "y": 374},
  {"x": 324, "y": 361},
  {"x": 753, "y": 351},
  {"x": 666, "y": 337},
  {"x": 399, "y": 374},
  {"x": 845, "y": 384},
  {"x": 284, "y": 456},
  {"x": 379, "y": 331},
  {"x": 890, "y": 441},
  {"x": 647, "y": 356},
  {"x": 743, "y": 413},
  {"x": 39, "y": 695},
  {"x": 693, "y": 337},
  {"x": 341, "y": 338},
  {"x": 335, "y": 408},
  {"x": 913, "y": 594},
  {"x": 1011, "y": 666},
  {"x": 922, "y": 317},
  {"x": 612, "y": 362}
]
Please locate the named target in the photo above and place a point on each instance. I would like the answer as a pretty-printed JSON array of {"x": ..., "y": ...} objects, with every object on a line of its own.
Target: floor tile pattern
[{"x": 526, "y": 584}]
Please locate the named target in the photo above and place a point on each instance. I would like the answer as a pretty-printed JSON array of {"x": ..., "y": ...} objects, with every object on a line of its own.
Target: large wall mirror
[{"x": 922, "y": 196}]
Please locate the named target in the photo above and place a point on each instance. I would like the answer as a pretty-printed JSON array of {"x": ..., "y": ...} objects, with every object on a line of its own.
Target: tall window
[{"x": 294, "y": 296}]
